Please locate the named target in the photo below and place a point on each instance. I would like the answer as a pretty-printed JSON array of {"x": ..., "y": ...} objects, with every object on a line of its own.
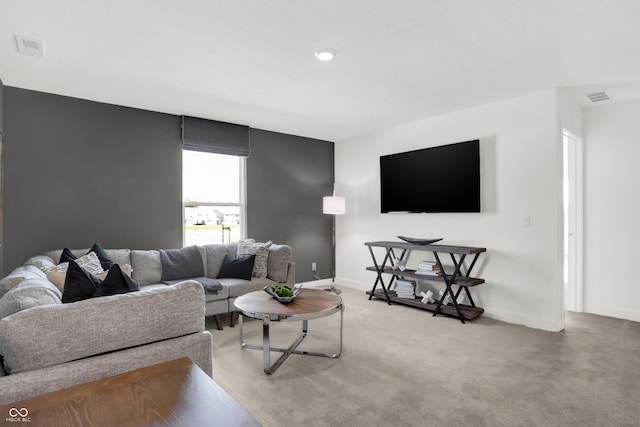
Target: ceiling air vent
[
  {"x": 29, "y": 46},
  {"x": 598, "y": 96}
]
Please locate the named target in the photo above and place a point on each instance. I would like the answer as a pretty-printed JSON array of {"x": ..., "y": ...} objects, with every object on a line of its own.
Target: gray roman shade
[{"x": 215, "y": 137}]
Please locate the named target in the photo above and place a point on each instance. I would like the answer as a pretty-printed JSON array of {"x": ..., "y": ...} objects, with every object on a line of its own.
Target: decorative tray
[
  {"x": 296, "y": 291},
  {"x": 418, "y": 241}
]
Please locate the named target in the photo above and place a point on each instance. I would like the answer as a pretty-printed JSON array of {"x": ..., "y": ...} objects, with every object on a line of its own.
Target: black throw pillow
[
  {"x": 104, "y": 258},
  {"x": 116, "y": 282},
  {"x": 67, "y": 256},
  {"x": 237, "y": 268},
  {"x": 79, "y": 284}
]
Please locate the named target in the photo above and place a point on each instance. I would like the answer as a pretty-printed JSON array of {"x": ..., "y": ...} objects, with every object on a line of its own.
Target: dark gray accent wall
[
  {"x": 287, "y": 176},
  {"x": 1, "y": 105},
  {"x": 78, "y": 171},
  {"x": 1, "y": 178}
]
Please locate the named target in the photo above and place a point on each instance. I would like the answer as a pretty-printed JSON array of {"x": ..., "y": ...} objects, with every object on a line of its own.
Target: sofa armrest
[
  {"x": 28, "y": 384},
  {"x": 291, "y": 273},
  {"x": 50, "y": 335}
]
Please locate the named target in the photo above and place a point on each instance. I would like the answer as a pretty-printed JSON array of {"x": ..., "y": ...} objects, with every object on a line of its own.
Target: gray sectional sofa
[{"x": 46, "y": 345}]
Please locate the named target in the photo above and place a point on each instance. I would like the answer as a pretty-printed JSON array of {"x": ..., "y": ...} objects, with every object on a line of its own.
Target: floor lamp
[{"x": 333, "y": 205}]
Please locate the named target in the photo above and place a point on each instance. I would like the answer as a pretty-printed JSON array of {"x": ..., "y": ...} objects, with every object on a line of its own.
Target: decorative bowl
[
  {"x": 285, "y": 300},
  {"x": 418, "y": 241}
]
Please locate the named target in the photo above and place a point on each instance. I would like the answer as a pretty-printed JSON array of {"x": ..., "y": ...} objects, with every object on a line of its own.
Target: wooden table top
[
  {"x": 311, "y": 303},
  {"x": 175, "y": 393}
]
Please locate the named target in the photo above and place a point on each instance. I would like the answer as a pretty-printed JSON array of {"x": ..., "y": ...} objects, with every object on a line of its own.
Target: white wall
[
  {"x": 520, "y": 176},
  {"x": 612, "y": 176}
]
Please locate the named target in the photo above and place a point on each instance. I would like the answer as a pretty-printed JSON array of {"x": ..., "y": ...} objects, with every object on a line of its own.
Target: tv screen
[{"x": 436, "y": 179}]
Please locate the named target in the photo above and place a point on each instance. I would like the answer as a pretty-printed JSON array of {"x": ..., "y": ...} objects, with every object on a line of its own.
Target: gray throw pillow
[
  {"x": 261, "y": 251},
  {"x": 182, "y": 263},
  {"x": 278, "y": 262}
]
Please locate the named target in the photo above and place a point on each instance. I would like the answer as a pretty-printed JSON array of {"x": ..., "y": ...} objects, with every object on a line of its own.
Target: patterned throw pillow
[
  {"x": 90, "y": 262},
  {"x": 261, "y": 251}
]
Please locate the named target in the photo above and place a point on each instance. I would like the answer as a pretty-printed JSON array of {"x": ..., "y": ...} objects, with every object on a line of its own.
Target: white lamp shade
[{"x": 334, "y": 205}]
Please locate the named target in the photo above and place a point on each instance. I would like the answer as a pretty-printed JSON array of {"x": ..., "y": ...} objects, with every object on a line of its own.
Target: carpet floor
[{"x": 401, "y": 366}]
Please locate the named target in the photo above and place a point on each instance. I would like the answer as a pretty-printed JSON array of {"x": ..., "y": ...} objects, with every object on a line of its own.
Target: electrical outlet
[{"x": 314, "y": 267}]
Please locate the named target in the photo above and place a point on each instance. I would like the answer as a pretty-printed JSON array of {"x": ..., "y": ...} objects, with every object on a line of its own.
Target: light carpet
[{"x": 403, "y": 367}]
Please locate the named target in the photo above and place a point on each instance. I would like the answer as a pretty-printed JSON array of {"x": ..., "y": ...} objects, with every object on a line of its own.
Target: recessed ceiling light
[{"x": 325, "y": 54}]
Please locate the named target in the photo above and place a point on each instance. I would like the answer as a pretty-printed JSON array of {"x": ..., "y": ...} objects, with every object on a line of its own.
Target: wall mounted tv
[{"x": 445, "y": 178}]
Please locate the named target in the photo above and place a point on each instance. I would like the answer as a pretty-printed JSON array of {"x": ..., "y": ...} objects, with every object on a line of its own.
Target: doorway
[{"x": 573, "y": 220}]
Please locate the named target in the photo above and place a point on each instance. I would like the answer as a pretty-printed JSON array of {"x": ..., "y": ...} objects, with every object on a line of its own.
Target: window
[{"x": 213, "y": 197}]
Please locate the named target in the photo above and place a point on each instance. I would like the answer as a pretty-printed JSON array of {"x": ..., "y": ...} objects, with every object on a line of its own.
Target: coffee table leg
[{"x": 266, "y": 347}]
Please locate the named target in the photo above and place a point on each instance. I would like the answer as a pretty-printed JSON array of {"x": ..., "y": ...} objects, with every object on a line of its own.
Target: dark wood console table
[
  {"x": 172, "y": 394},
  {"x": 457, "y": 277}
]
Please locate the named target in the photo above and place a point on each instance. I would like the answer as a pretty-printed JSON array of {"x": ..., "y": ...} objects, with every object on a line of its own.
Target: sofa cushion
[
  {"x": 237, "y": 268},
  {"x": 19, "y": 275},
  {"x": 120, "y": 256},
  {"x": 147, "y": 268},
  {"x": 261, "y": 251},
  {"x": 223, "y": 293},
  {"x": 278, "y": 262},
  {"x": 214, "y": 255},
  {"x": 76, "y": 331},
  {"x": 181, "y": 263},
  {"x": 239, "y": 287},
  {"x": 30, "y": 293},
  {"x": 43, "y": 262}
]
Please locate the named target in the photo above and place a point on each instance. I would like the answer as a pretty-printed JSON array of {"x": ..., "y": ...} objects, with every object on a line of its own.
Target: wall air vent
[
  {"x": 29, "y": 46},
  {"x": 598, "y": 96}
]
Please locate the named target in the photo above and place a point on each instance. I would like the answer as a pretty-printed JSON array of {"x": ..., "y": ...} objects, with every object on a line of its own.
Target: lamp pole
[{"x": 333, "y": 205}]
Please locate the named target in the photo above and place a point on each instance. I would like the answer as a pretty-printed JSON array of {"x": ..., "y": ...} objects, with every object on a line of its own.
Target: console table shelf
[
  {"x": 468, "y": 312},
  {"x": 462, "y": 279}
]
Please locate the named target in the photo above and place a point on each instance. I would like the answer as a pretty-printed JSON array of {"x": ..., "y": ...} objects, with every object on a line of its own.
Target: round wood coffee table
[{"x": 310, "y": 304}]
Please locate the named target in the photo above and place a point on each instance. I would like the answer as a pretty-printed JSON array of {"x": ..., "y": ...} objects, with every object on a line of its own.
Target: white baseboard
[
  {"x": 352, "y": 284},
  {"x": 612, "y": 312},
  {"x": 324, "y": 283},
  {"x": 501, "y": 315},
  {"x": 520, "y": 319}
]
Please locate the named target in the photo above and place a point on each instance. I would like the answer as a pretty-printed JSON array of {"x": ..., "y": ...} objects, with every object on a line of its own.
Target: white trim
[
  {"x": 243, "y": 197},
  {"x": 576, "y": 220}
]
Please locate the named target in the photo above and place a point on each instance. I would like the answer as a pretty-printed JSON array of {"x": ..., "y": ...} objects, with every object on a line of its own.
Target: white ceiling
[{"x": 252, "y": 61}]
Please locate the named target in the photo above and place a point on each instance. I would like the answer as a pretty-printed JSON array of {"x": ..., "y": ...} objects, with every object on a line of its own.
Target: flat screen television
[{"x": 445, "y": 178}]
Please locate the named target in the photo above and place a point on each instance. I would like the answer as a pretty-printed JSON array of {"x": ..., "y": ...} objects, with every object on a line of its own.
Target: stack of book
[
  {"x": 428, "y": 268},
  {"x": 405, "y": 289}
]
